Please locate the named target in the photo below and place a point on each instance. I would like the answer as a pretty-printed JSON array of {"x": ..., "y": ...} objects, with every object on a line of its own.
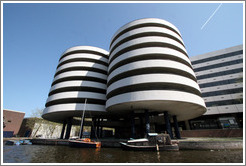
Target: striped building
[
  {"x": 81, "y": 75},
  {"x": 150, "y": 82},
  {"x": 147, "y": 83},
  {"x": 149, "y": 70}
]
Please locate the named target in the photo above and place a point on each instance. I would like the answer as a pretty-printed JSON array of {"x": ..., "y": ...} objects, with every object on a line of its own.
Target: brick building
[{"x": 11, "y": 122}]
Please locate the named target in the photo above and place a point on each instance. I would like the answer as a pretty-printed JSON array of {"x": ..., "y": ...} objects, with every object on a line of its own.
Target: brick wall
[{"x": 12, "y": 120}]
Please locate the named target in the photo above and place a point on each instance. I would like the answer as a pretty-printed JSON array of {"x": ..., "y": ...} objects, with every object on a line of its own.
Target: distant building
[
  {"x": 220, "y": 77},
  {"x": 11, "y": 122}
]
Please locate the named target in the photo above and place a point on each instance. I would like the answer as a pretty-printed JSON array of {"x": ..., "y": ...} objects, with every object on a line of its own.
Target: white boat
[{"x": 154, "y": 142}]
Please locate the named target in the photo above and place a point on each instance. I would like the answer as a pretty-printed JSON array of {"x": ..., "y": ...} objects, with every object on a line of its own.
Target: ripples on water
[{"x": 65, "y": 154}]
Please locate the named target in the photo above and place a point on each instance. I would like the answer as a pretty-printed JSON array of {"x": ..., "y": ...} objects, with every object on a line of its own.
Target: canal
[{"x": 66, "y": 154}]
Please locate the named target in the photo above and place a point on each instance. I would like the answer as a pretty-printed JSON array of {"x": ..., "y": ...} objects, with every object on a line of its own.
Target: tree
[
  {"x": 36, "y": 122},
  {"x": 37, "y": 113}
]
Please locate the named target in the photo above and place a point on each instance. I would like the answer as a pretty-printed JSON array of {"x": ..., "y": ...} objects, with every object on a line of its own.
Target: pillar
[
  {"x": 168, "y": 125},
  {"x": 187, "y": 125},
  {"x": 147, "y": 124},
  {"x": 176, "y": 127},
  {"x": 133, "y": 130},
  {"x": 101, "y": 128},
  {"x": 69, "y": 126},
  {"x": 117, "y": 132},
  {"x": 93, "y": 123},
  {"x": 63, "y": 129},
  {"x": 98, "y": 124},
  {"x": 141, "y": 126},
  {"x": 81, "y": 129}
]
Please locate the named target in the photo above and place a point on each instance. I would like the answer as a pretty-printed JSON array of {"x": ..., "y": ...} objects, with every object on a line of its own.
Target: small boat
[
  {"x": 84, "y": 143},
  {"x": 18, "y": 142},
  {"x": 12, "y": 142},
  {"x": 26, "y": 142},
  {"x": 154, "y": 142}
]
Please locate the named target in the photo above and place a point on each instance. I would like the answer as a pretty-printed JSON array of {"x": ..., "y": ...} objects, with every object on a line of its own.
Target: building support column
[
  {"x": 101, "y": 128},
  {"x": 81, "y": 129},
  {"x": 69, "y": 126},
  {"x": 176, "y": 127},
  {"x": 98, "y": 125},
  {"x": 168, "y": 125},
  {"x": 93, "y": 123},
  {"x": 187, "y": 125},
  {"x": 63, "y": 129},
  {"x": 147, "y": 123},
  {"x": 141, "y": 127},
  {"x": 133, "y": 129},
  {"x": 117, "y": 133}
]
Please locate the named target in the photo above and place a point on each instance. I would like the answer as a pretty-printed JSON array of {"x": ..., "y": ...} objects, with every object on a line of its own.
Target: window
[{"x": 218, "y": 57}]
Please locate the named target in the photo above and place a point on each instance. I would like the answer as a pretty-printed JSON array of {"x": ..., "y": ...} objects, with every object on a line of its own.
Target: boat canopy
[
  {"x": 152, "y": 134},
  {"x": 138, "y": 140}
]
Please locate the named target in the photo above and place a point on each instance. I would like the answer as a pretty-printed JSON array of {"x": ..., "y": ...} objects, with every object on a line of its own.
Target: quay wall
[
  {"x": 212, "y": 133},
  {"x": 183, "y": 144},
  {"x": 112, "y": 143},
  {"x": 210, "y": 145},
  {"x": 50, "y": 142}
]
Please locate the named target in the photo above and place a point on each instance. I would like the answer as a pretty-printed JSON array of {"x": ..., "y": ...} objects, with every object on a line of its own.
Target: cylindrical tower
[
  {"x": 149, "y": 69},
  {"x": 81, "y": 74}
]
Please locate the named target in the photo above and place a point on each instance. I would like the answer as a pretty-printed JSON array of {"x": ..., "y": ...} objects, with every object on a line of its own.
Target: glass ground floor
[
  {"x": 218, "y": 121},
  {"x": 205, "y": 122},
  {"x": 140, "y": 124}
]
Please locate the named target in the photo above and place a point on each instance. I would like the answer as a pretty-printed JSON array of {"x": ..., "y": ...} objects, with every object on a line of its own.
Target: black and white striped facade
[
  {"x": 81, "y": 74},
  {"x": 146, "y": 74},
  {"x": 149, "y": 69}
]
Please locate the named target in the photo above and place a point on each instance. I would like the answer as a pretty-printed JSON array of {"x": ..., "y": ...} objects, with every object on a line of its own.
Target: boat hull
[
  {"x": 79, "y": 144},
  {"x": 18, "y": 142},
  {"x": 173, "y": 147}
]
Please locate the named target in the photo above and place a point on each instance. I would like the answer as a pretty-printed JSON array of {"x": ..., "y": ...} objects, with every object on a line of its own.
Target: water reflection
[{"x": 65, "y": 154}]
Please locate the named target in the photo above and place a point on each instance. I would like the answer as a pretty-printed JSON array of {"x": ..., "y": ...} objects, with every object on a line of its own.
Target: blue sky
[{"x": 36, "y": 34}]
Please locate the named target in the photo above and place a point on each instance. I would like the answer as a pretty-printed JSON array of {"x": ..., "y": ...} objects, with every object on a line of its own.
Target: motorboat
[{"x": 153, "y": 142}]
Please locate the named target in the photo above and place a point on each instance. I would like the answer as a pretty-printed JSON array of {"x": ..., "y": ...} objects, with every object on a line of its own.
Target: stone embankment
[
  {"x": 184, "y": 143},
  {"x": 210, "y": 143}
]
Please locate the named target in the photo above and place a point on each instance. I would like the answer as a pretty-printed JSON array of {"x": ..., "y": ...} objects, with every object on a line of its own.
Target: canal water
[{"x": 66, "y": 154}]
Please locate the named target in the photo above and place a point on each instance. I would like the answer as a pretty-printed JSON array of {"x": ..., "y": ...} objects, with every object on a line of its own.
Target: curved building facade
[
  {"x": 146, "y": 80},
  {"x": 81, "y": 74},
  {"x": 149, "y": 69}
]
